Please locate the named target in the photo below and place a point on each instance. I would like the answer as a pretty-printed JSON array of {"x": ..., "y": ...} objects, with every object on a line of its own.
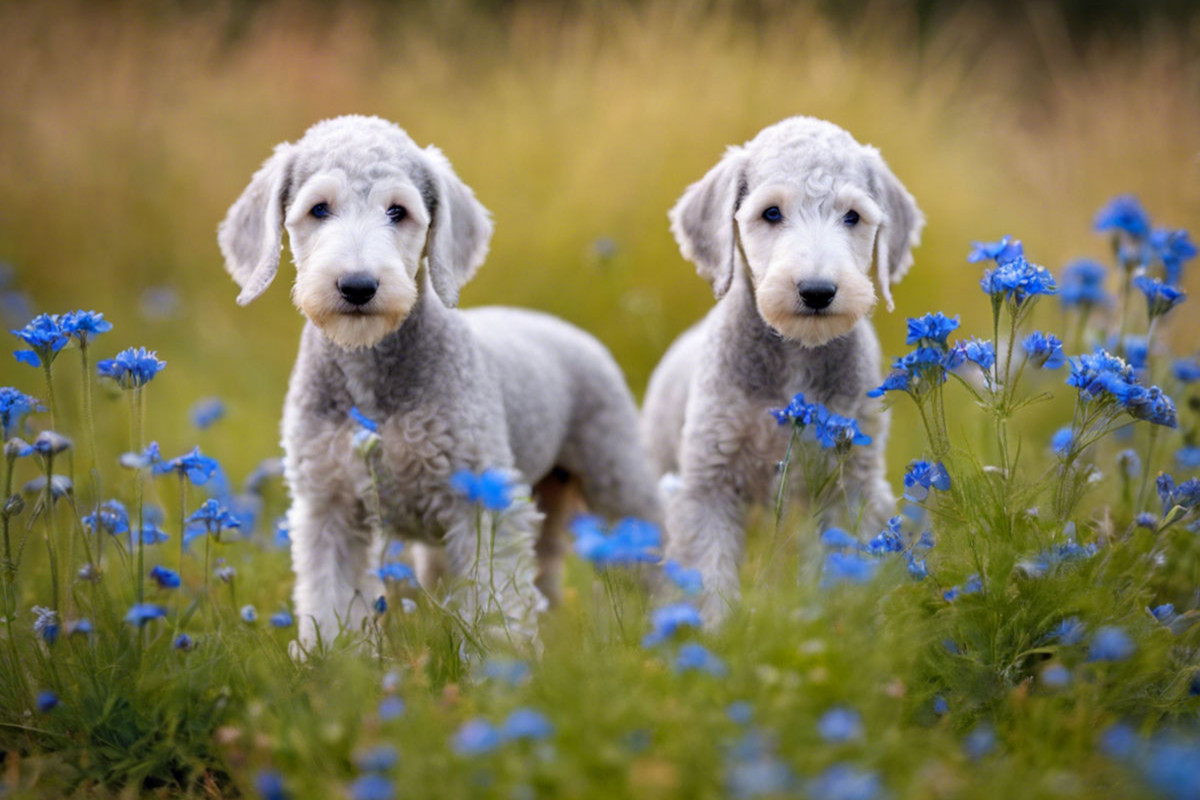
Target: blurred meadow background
[{"x": 128, "y": 128}]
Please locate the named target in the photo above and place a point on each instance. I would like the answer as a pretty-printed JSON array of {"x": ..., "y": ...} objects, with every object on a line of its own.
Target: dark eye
[
  {"x": 320, "y": 210},
  {"x": 851, "y": 218},
  {"x": 397, "y": 213},
  {"x": 773, "y": 214}
]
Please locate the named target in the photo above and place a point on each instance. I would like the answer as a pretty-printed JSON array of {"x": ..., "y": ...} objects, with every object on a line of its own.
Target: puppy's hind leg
[
  {"x": 559, "y": 499},
  {"x": 606, "y": 452}
]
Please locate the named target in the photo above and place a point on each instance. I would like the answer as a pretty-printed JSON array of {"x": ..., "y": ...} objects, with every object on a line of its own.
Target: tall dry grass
[{"x": 124, "y": 136}]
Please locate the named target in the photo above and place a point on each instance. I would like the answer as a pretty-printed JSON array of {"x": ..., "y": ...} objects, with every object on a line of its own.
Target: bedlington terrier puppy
[
  {"x": 786, "y": 228},
  {"x": 383, "y": 234}
]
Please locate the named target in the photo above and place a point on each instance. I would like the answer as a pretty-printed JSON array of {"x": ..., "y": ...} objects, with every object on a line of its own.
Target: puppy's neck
[
  {"x": 385, "y": 377},
  {"x": 761, "y": 361}
]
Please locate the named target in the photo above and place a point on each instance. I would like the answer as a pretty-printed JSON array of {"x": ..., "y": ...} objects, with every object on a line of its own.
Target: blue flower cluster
[
  {"x": 1104, "y": 378},
  {"x": 45, "y": 336},
  {"x": 927, "y": 367},
  {"x": 931, "y": 329},
  {"x": 973, "y": 585},
  {"x": 478, "y": 736},
  {"x": 1160, "y": 297},
  {"x": 1082, "y": 285},
  {"x": 1185, "y": 495},
  {"x": 921, "y": 476},
  {"x": 491, "y": 488},
  {"x": 833, "y": 431},
  {"x": 629, "y": 541},
  {"x": 1018, "y": 281},
  {"x": 132, "y": 368},
  {"x": 850, "y": 561},
  {"x": 1044, "y": 350},
  {"x": 14, "y": 405}
]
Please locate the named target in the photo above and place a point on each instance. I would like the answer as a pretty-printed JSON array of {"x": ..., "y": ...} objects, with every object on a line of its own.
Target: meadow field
[{"x": 1029, "y": 655}]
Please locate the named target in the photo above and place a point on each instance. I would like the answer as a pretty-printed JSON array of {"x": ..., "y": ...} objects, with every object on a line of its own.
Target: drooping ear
[
  {"x": 460, "y": 229},
  {"x": 900, "y": 230},
  {"x": 702, "y": 220},
  {"x": 251, "y": 235}
]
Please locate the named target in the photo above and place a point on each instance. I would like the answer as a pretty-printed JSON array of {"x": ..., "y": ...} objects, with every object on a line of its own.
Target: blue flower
[
  {"x": 1069, "y": 632},
  {"x": 1160, "y": 297},
  {"x": 197, "y": 467},
  {"x": 476, "y": 737},
  {"x": 797, "y": 412},
  {"x": 1153, "y": 406},
  {"x": 1044, "y": 350},
  {"x": 14, "y": 405},
  {"x": 888, "y": 540},
  {"x": 207, "y": 412},
  {"x": 525, "y": 723},
  {"x": 165, "y": 578},
  {"x": 974, "y": 585},
  {"x": 249, "y": 614},
  {"x": 1125, "y": 214},
  {"x": 397, "y": 572},
  {"x": 111, "y": 517},
  {"x": 689, "y": 580},
  {"x": 666, "y": 621},
  {"x": 131, "y": 368},
  {"x": 183, "y": 642},
  {"x": 60, "y": 486},
  {"x": 834, "y": 431},
  {"x": 506, "y": 670},
  {"x": 390, "y": 708},
  {"x": 379, "y": 606},
  {"x": 1064, "y": 553},
  {"x": 740, "y": 712},
  {"x": 491, "y": 488},
  {"x": 1146, "y": 520},
  {"x": 630, "y": 541},
  {"x": 1083, "y": 285},
  {"x": 840, "y": 724},
  {"x": 921, "y": 476},
  {"x": 754, "y": 770},
  {"x": 1164, "y": 613},
  {"x": 844, "y": 782},
  {"x": 362, "y": 420},
  {"x": 838, "y": 539},
  {"x": 1173, "y": 248},
  {"x": 841, "y": 567},
  {"x": 693, "y": 656},
  {"x": 80, "y": 627},
  {"x": 1001, "y": 252},
  {"x": 269, "y": 785},
  {"x": 1062, "y": 441},
  {"x": 141, "y": 613},
  {"x": 1186, "y": 370},
  {"x": 931, "y": 329},
  {"x": 84, "y": 325},
  {"x": 1171, "y": 765},
  {"x": 1185, "y": 495},
  {"x": 380, "y": 758},
  {"x": 46, "y": 624},
  {"x": 940, "y": 706},
  {"x": 1055, "y": 676},
  {"x": 147, "y": 459},
  {"x": 50, "y": 443},
  {"x": 1188, "y": 457},
  {"x": 1110, "y": 644},
  {"x": 898, "y": 380},
  {"x": 977, "y": 351},
  {"x": 980, "y": 741},
  {"x": 372, "y": 787},
  {"x": 1136, "y": 350},
  {"x": 282, "y": 619},
  {"x": 45, "y": 336},
  {"x": 1018, "y": 281},
  {"x": 46, "y": 701},
  {"x": 1119, "y": 740},
  {"x": 214, "y": 518}
]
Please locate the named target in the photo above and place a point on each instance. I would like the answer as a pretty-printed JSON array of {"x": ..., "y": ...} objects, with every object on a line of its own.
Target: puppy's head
[
  {"x": 368, "y": 215},
  {"x": 805, "y": 211}
]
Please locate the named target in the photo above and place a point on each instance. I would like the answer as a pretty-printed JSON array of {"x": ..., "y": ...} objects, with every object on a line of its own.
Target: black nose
[
  {"x": 816, "y": 294},
  {"x": 357, "y": 288}
]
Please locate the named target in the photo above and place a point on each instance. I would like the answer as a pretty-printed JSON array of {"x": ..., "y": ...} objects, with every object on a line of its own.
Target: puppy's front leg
[
  {"x": 706, "y": 531},
  {"x": 491, "y": 557},
  {"x": 331, "y": 556}
]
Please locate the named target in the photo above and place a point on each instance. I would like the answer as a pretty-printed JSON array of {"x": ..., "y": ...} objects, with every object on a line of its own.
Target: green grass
[{"x": 125, "y": 139}]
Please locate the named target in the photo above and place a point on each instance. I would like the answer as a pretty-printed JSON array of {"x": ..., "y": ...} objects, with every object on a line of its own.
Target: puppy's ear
[
  {"x": 460, "y": 229},
  {"x": 900, "y": 230},
  {"x": 702, "y": 220},
  {"x": 251, "y": 235}
]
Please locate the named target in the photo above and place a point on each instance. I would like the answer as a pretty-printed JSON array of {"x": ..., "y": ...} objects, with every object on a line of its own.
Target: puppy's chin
[
  {"x": 356, "y": 331},
  {"x": 779, "y": 307},
  {"x": 353, "y": 329}
]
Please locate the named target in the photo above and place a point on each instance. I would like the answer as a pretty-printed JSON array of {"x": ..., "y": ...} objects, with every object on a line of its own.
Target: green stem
[
  {"x": 50, "y": 400},
  {"x": 1141, "y": 501},
  {"x": 51, "y": 534},
  {"x": 783, "y": 476}
]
